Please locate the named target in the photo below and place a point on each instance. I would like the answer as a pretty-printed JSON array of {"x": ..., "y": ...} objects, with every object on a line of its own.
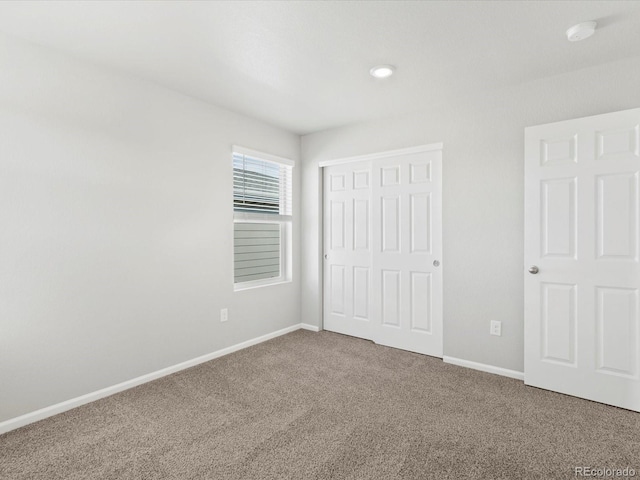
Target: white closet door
[
  {"x": 383, "y": 246},
  {"x": 582, "y": 246},
  {"x": 407, "y": 252},
  {"x": 347, "y": 246}
]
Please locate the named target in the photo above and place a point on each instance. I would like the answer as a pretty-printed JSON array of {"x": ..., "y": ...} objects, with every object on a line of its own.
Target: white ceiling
[{"x": 304, "y": 65}]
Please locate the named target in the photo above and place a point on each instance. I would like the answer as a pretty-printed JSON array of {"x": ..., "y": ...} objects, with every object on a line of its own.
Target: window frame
[{"x": 285, "y": 223}]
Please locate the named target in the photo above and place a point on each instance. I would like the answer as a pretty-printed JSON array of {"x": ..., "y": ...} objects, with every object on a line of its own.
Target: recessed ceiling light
[
  {"x": 581, "y": 31},
  {"x": 382, "y": 71}
]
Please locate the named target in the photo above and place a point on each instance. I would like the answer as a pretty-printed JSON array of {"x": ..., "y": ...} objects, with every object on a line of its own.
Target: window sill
[{"x": 257, "y": 284}]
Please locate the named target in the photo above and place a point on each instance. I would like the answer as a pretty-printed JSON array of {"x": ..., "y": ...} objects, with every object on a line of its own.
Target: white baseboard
[
  {"x": 505, "y": 372},
  {"x": 43, "y": 413},
  {"x": 306, "y": 326}
]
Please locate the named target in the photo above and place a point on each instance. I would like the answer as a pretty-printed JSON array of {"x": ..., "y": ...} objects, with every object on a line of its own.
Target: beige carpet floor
[{"x": 325, "y": 406}]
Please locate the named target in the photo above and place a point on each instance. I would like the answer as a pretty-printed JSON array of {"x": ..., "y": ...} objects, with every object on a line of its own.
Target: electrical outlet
[
  {"x": 224, "y": 315},
  {"x": 495, "y": 328}
]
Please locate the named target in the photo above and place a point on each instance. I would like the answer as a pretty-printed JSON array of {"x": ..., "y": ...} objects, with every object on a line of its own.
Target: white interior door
[
  {"x": 383, "y": 250},
  {"x": 347, "y": 246},
  {"x": 582, "y": 246}
]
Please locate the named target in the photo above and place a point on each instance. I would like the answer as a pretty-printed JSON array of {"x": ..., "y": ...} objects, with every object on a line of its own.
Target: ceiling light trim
[{"x": 382, "y": 71}]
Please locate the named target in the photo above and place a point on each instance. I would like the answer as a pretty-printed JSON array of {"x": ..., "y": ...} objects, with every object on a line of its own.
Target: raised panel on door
[
  {"x": 420, "y": 172},
  {"x": 337, "y": 182},
  {"x": 559, "y": 323},
  {"x": 559, "y": 151},
  {"x": 338, "y": 227},
  {"x": 337, "y": 284},
  {"x": 390, "y": 295},
  {"x": 617, "y": 331},
  {"x": 361, "y": 224},
  {"x": 617, "y": 216},
  {"x": 390, "y": 175},
  {"x": 361, "y": 179},
  {"x": 361, "y": 297},
  {"x": 421, "y": 301},
  {"x": 390, "y": 230},
  {"x": 420, "y": 222},
  {"x": 618, "y": 143},
  {"x": 559, "y": 217}
]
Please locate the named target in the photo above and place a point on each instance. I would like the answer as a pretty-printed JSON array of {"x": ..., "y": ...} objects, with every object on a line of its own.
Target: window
[{"x": 262, "y": 204}]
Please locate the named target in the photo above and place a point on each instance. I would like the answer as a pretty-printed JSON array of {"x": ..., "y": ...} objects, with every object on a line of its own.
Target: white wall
[
  {"x": 116, "y": 229},
  {"x": 483, "y": 194}
]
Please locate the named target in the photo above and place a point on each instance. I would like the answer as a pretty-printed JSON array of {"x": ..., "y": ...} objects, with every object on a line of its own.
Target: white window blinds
[{"x": 261, "y": 186}]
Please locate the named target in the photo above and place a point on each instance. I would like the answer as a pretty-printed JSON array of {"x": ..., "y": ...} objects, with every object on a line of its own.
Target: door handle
[
  {"x": 326, "y": 256},
  {"x": 533, "y": 269}
]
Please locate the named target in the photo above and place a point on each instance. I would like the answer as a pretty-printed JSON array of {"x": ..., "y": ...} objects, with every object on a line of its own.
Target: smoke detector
[{"x": 581, "y": 31}]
